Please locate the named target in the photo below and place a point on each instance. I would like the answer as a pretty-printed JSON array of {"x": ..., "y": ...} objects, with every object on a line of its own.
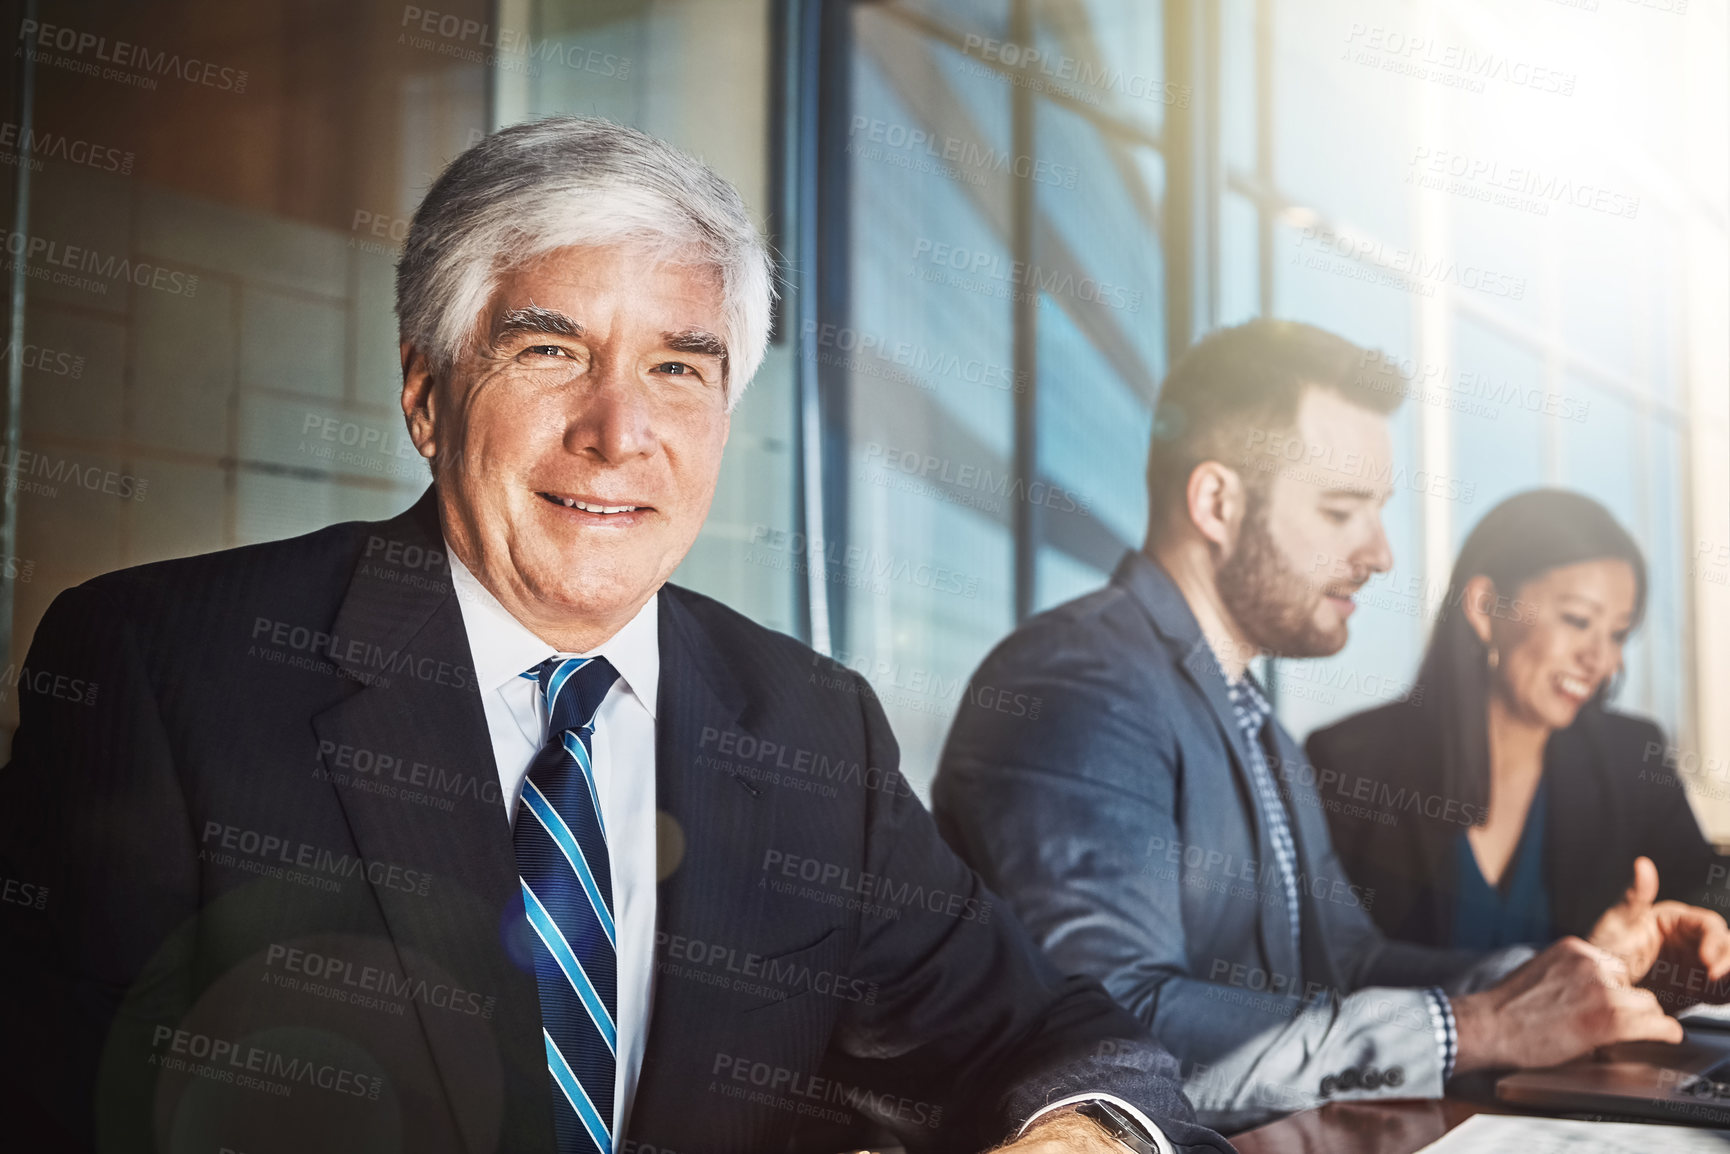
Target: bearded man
[{"x": 1156, "y": 828}]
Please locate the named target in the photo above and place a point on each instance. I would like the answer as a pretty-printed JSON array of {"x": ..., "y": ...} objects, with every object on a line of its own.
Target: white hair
[{"x": 576, "y": 180}]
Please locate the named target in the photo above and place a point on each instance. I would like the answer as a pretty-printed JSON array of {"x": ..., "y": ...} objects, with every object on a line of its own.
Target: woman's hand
[{"x": 1670, "y": 943}]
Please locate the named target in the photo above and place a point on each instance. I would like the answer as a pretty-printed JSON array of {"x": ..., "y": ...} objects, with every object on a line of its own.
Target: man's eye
[
  {"x": 1337, "y": 516},
  {"x": 675, "y": 368},
  {"x": 548, "y": 350}
]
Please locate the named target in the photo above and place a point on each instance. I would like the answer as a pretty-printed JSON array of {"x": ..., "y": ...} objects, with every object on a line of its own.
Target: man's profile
[{"x": 1157, "y": 828}]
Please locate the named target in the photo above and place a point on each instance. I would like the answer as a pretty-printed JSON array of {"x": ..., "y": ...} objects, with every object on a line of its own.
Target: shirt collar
[{"x": 504, "y": 647}]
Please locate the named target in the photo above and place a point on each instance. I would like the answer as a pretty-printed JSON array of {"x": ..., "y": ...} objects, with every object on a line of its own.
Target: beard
[{"x": 1271, "y": 602}]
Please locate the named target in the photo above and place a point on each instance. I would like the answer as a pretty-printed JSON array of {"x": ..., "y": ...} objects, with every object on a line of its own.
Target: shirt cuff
[
  {"x": 1159, "y": 1138},
  {"x": 1447, "y": 1037}
]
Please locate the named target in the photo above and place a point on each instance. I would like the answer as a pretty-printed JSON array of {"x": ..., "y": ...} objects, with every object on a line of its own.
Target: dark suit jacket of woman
[{"x": 1611, "y": 799}]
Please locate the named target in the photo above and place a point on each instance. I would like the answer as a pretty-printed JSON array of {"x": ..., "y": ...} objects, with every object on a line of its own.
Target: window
[
  {"x": 1509, "y": 235},
  {"x": 1005, "y": 329}
]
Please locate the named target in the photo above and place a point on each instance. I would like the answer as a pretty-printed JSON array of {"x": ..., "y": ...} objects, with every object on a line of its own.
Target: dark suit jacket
[
  {"x": 1097, "y": 778},
  {"x": 1611, "y": 799},
  {"x": 280, "y": 907}
]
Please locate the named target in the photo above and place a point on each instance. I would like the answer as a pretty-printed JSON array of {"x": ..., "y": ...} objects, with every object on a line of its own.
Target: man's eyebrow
[
  {"x": 535, "y": 319},
  {"x": 1365, "y": 493},
  {"x": 700, "y": 341}
]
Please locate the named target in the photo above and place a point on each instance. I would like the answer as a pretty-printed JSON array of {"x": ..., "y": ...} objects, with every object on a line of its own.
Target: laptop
[{"x": 1688, "y": 1082}]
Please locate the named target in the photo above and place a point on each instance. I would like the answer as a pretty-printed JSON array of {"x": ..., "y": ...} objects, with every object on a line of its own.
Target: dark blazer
[
  {"x": 280, "y": 909},
  {"x": 1096, "y": 777},
  {"x": 1611, "y": 799}
]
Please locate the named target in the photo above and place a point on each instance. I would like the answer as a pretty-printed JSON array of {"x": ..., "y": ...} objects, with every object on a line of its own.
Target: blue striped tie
[{"x": 567, "y": 881}]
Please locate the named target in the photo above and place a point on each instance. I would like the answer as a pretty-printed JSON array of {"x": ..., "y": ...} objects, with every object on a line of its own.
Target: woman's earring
[{"x": 1495, "y": 659}]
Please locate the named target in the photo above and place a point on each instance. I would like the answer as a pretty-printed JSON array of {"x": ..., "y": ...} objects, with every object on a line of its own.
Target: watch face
[{"x": 1119, "y": 1125}]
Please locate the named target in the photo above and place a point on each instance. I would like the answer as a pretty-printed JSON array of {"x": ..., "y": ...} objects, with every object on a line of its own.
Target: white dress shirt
[{"x": 624, "y": 765}]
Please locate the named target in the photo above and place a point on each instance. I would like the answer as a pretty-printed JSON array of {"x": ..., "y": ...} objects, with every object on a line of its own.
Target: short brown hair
[{"x": 1252, "y": 375}]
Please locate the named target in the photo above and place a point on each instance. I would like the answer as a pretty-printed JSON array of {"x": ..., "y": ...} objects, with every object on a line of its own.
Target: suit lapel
[
  {"x": 1431, "y": 890},
  {"x": 400, "y": 636},
  {"x": 1580, "y": 871},
  {"x": 1172, "y": 617},
  {"x": 1204, "y": 673},
  {"x": 1310, "y": 835},
  {"x": 713, "y": 828}
]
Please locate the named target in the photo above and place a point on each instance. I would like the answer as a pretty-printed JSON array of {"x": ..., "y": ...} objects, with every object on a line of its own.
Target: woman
[{"x": 1503, "y": 802}]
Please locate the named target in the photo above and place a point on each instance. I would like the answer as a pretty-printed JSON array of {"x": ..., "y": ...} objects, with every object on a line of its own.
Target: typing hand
[
  {"x": 1671, "y": 944},
  {"x": 1062, "y": 1132},
  {"x": 1561, "y": 1005}
]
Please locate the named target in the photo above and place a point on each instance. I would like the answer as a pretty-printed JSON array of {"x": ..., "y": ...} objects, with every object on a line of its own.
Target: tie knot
[{"x": 573, "y": 689}]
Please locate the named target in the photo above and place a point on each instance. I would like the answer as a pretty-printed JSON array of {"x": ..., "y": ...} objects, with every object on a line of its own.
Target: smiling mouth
[
  {"x": 599, "y": 508},
  {"x": 1574, "y": 687}
]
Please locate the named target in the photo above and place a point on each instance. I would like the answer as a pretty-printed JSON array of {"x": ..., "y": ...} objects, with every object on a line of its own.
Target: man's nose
[
  {"x": 612, "y": 419},
  {"x": 1377, "y": 555}
]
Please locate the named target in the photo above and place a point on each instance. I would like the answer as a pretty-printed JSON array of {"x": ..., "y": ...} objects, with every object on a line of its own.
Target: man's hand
[
  {"x": 1643, "y": 931},
  {"x": 1062, "y": 1132},
  {"x": 1566, "y": 1002}
]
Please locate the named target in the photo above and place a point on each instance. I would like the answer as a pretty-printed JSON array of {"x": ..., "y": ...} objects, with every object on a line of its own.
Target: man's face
[
  {"x": 579, "y": 447},
  {"x": 1312, "y": 527}
]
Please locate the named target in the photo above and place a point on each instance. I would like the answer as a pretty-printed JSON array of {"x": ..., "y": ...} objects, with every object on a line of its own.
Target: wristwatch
[{"x": 1119, "y": 1125}]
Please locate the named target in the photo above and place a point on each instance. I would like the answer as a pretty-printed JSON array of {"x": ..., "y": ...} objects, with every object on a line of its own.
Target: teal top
[{"x": 1517, "y": 912}]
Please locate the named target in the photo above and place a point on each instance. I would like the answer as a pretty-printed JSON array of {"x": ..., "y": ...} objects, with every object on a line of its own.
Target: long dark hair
[{"x": 1524, "y": 537}]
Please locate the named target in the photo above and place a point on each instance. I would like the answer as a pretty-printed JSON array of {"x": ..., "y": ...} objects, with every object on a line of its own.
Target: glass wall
[
  {"x": 998, "y": 222},
  {"x": 1475, "y": 190},
  {"x": 1005, "y": 331}
]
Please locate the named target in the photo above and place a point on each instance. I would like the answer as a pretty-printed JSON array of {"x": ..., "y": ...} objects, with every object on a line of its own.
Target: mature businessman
[
  {"x": 467, "y": 831},
  {"x": 1156, "y": 827}
]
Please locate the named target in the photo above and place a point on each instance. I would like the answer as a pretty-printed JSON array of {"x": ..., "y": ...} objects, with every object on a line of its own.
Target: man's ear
[
  {"x": 419, "y": 398},
  {"x": 1478, "y": 602},
  {"x": 1215, "y": 500}
]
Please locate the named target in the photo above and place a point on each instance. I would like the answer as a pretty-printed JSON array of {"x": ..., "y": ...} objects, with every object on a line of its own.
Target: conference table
[{"x": 1400, "y": 1127}]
